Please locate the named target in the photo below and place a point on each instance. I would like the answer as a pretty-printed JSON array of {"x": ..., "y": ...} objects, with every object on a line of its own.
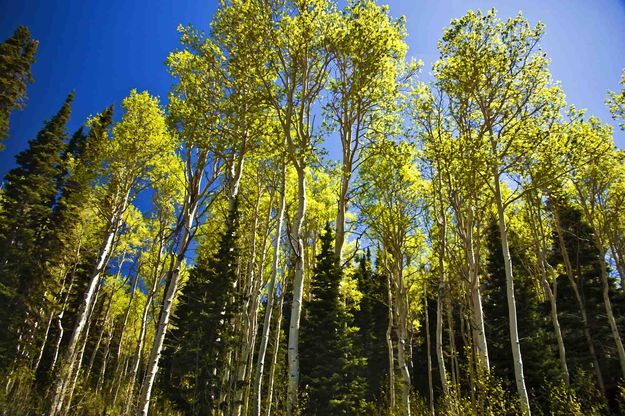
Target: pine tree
[
  {"x": 585, "y": 259},
  {"x": 328, "y": 364},
  {"x": 195, "y": 358},
  {"x": 82, "y": 161},
  {"x": 29, "y": 198},
  {"x": 17, "y": 54},
  {"x": 68, "y": 257},
  {"x": 372, "y": 321}
]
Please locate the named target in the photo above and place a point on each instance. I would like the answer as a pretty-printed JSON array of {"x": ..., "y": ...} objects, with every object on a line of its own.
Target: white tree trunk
[
  {"x": 428, "y": 350},
  {"x": 276, "y": 351},
  {"x": 271, "y": 289},
  {"x": 298, "y": 289},
  {"x": 390, "y": 349},
  {"x": 439, "y": 345},
  {"x": 512, "y": 316},
  {"x": 85, "y": 309},
  {"x": 168, "y": 300},
  {"x": 608, "y": 309}
]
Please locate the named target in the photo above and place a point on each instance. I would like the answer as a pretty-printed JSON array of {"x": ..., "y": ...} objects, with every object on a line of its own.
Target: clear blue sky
[{"x": 102, "y": 49}]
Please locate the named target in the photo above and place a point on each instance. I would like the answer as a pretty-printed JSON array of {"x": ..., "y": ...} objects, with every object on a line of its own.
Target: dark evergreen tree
[
  {"x": 585, "y": 262},
  {"x": 25, "y": 225},
  {"x": 371, "y": 319},
  {"x": 537, "y": 340},
  {"x": 82, "y": 162},
  {"x": 195, "y": 358},
  {"x": 328, "y": 364},
  {"x": 67, "y": 254},
  {"x": 17, "y": 54}
]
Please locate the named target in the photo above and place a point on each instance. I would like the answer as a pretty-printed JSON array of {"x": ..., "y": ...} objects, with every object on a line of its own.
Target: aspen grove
[{"x": 461, "y": 253}]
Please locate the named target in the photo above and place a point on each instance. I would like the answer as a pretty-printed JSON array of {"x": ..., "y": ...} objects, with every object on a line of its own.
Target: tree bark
[
  {"x": 86, "y": 307},
  {"x": 260, "y": 364},
  {"x": 391, "y": 355},
  {"x": 439, "y": 345},
  {"x": 568, "y": 267},
  {"x": 276, "y": 351},
  {"x": 512, "y": 316},
  {"x": 190, "y": 209},
  {"x": 428, "y": 350},
  {"x": 608, "y": 309},
  {"x": 298, "y": 289}
]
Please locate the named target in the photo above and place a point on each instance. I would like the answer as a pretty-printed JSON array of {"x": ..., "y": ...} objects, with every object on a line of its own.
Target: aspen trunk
[
  {"x": 478, "y": 332},
  {"x": 276, "y": 351},
  {"x": 298, "y": 289},
  {"x": 262, "y": 350},
  {"x": 134, "y": 368},
  {"x": 59, "y": 317},
  {"x": 512, "y": 316},
  {"x": 189, "y": 211},
  {"x": 85, "y": 309},
  {"x": 568, "y": 267},
  {"x": 339, "y": 237},
  {"x": 248, "y": 321},
  {"x": 428, "y": 350},
  {"x": 439, "y": 345},
  {"x": 96, "y": 348},
  {"x": 455, "y": 365},
  {"x": 43, "y": 343},
  {"x": 105, "y": 358},
  {"x": 389, "y": 345},
  {"x": 403, "y": 370},
  {"x": 551, "y": 294},
  {"x": 442, "y": 252},
  {"x": 608, "y": 309},
  {"x": 79, "y": 360},
  {"x": 168, "y": 300},
  {"x": 538, "y": 233}
]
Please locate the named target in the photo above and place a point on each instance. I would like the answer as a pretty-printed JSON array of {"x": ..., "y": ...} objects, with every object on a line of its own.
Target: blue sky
[{"x": 103, "y": 49}]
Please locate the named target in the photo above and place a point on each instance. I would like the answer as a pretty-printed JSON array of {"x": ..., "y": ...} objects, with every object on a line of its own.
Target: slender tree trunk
[
  {"x": 276, "y": 351},
  {"x": 247, "y": 317},
  {"x": 106, "y": 315},
  {"x": 477, "y": 317},
  {"x": 442, "y": 253},
  {"x": 96, "y": 348},
  {"x": 455, "y": 365},
  {"x": 298, "y": 289},
  {"x": 479, "y": 333},
  {"x": 190, "y": 210},
  {"x": 59, "y": 317},
  {"x": 538, "y": 233},
  {"x": 43, "y": 343},
  {"x": 122, "y": 334},
  {"x": 185, "y": 227},
  {"x": 339, "y": 237},
  {"x": 78, "y": 363},
  {"x": 402, "y": 338},
  {"x": 512, "y": 316},
  {"x": 85, "y": 308},
  {"x": 389, "y": 345},
  {"x": 136, "y": 361},
  {"x": 428, "y": 350},
  {"x": 105, "y": 358},
  {"x": 551, "y": 295},
  {"x": 608, "y": 309},
  {"x": 568, "y": 267},
  {"x": 271, "y": 290},
  {"x": 620, "y": 265},
  {"x": 439, "y": 345}
]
